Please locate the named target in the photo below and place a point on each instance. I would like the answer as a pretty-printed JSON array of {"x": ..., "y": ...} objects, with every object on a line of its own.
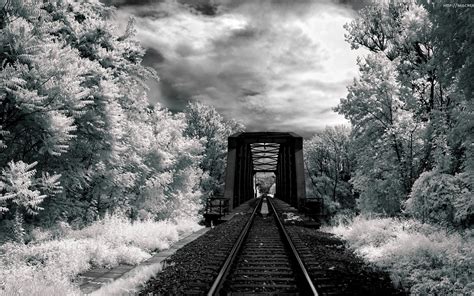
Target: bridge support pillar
[
  {"x": 300, "y": 186},
  {"x": 231, "y": 172}
]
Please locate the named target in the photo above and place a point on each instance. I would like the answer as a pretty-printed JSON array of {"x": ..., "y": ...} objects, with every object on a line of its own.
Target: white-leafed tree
[
  {"x": 329, "y": 165},
  {"x": 206, "y": 124},
  {"x": 411, "y": 107},
  {"x": 73, "y": 102}
]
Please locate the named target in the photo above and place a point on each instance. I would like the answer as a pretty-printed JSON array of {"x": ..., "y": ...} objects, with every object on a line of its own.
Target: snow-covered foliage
[
  {"x": 206, "y": 124},
  {"x": 329, "y": 164},
  {"x": 441, "y": 198},
  {"x": 385, "y": 136},
  {"x": 73, "y": 105},
  {"x": 411, "y": 111},
  {"x": 131, "y": 283},
  {"x": 17, "y": 182},
  {"x": 20, "y": 191},
  {"x": 50, "y": 264},
  {"x": 424, "y": 259},
  {"x": 264, "y": 181}
]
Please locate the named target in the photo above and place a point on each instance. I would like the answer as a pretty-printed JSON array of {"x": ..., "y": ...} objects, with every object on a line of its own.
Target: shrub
[
  {"x": 130, "y": 284},
  {"x": 50, "y": 265},
  {"x": 425, "y": 259},
  {"x": 441, "y": 198}
]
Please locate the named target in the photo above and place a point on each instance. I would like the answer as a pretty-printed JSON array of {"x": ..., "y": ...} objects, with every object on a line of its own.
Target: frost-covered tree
[
  {"x": 73, "y": 101},
  {"x": 452, "y": 35},
  {"x": 206, "y": 124},
  {"x": 386, "y": 137},
  {"x": 22, "y": 192},
  {"x": 163, "y": 167},
  {"x": 410, "y": 108},
  {"x": 264, "y": 181},
  {"x": 329, "y": 164},
  {"x": 66, "y": 79},
  {"x": 441, "y": 198},
  {"x": 444, "y": 194}
]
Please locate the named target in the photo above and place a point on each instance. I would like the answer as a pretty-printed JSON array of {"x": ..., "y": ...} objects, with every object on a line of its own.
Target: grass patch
[
  {"x": 424, "y": 259},
  {"x": 50, "y": 264},
  {"x": 131, "y": 283}
]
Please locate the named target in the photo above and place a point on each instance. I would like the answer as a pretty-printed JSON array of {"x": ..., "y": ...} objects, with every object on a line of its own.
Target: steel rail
[
  {"x": 294, "y": 252},
  {"x": 219, "y": 281}
]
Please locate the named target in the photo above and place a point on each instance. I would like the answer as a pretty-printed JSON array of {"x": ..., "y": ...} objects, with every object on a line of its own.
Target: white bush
[
  {"x": 115, "y": 230},
  {"x": 441, "y": 198},
  {"x": 23, "y": 279},
  {"x": 49, "y": 267},
  {"x": 426, "y": 259},
  {"x": 131, "y": 283}
]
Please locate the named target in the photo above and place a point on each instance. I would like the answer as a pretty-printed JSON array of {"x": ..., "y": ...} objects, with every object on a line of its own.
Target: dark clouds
[
  {"x": 354, "y": 4},
  {"x": 275, "y": 65}
]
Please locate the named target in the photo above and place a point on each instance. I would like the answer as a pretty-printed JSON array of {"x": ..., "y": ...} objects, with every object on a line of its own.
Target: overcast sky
[{"x": 274, "y": 65}]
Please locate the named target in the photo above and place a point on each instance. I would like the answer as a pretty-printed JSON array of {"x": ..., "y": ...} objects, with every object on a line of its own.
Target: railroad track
[{"x": 263, "y": 260}]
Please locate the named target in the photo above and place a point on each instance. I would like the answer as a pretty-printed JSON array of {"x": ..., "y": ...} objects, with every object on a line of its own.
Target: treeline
[
  {"x": 78, "y": 137},
  {"x": 410, "y": 149}
]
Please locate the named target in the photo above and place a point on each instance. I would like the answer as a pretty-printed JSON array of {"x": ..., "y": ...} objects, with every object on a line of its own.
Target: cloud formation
[{"x": 275, "y": 65}]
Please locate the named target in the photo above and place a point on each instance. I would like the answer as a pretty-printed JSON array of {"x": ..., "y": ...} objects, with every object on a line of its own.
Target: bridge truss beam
[{"x": 250, "y": 153}]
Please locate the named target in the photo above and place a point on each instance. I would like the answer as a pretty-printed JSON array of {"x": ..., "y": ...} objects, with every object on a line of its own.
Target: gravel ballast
[
  {"x": 344, "y": 273},
  {"x": 192, "y": 269}
]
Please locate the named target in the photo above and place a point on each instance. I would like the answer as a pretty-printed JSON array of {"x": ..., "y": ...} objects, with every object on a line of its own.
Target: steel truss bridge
[{"x": 272, "y": 152}]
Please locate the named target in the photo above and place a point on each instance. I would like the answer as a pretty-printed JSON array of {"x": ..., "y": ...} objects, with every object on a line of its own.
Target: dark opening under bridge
[{"x": 273, "y": 152}]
